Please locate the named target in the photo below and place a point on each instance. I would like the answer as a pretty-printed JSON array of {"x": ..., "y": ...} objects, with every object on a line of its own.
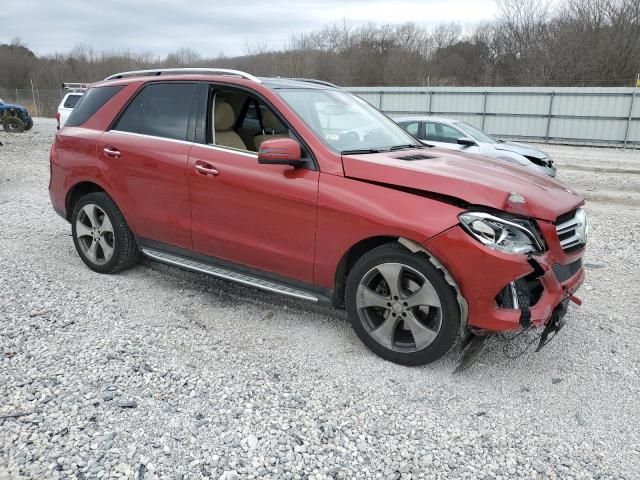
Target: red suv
[{"x": 298, "y": 187}]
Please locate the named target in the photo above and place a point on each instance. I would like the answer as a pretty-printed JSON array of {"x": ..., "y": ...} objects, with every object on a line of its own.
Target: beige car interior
[
  {"x": 271, "y": 125},
  {"x": 224, "y": 118},
  {"x": 257, "y": 121}
]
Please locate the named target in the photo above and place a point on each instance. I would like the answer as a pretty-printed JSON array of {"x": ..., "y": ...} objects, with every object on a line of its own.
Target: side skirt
[{"x": 237, "y": 275}]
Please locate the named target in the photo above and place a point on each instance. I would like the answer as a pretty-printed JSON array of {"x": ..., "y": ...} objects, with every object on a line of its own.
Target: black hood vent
[{"x": 416, "y": 156}]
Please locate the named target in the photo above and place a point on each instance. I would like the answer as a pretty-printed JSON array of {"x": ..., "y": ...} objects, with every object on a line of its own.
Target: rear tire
[
  {"x": 101, "y": 235},
  {"x": 401, "y": 306},
  {"x": 13, "y": 125}
]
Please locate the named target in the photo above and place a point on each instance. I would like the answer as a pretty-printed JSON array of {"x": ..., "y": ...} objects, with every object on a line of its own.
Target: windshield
[
  {"x": 475, "y": 133},
  {"x": 345, "y": 122}
]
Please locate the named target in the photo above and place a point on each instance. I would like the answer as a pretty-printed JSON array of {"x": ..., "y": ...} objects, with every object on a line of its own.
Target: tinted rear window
[
  {"x": 71, "y": 101},
  {"x": 160, "y": 110},
  {"x": 90, "y": 103}
]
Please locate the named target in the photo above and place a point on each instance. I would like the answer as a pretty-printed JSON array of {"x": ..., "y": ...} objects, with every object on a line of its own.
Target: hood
[
  {"x": 521, "y": 149},
  {"x": 12, "y": 105},
  {"x": 474, "y": 179}
]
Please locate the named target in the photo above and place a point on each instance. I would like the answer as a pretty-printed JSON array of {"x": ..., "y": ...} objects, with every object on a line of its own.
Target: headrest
[
  {"x": 223, "y": 116},
  {"x": 270, "y": 121}
]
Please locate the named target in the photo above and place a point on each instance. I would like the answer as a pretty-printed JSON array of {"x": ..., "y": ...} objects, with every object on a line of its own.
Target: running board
[{"x": 227, "y": 274}]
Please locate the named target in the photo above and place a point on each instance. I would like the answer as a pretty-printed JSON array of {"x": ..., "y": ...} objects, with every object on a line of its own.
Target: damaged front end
[{"x": 516, "y": 273}]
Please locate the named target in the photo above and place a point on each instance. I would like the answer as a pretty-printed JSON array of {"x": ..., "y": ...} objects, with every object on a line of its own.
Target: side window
[
  {"x": 241, "y": 121},
  {"x": 130, "y": 119},
  {"x": 251, "y": 121},
  {"x": 71, "y": 101},
  {"x": 412, "y": 127},
  {"x": 90, "y": 103},
  {"x": 166, "y": 110},
  {"x": 448, "y": 134},
  {"x": 430, "y": 132},
  {"x": 160, "y": 110},
  {"x": 226, "y": 105}
]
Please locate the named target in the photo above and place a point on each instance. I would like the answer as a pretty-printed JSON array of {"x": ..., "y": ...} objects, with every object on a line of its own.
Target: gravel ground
[{"x": 163, "y": 373}]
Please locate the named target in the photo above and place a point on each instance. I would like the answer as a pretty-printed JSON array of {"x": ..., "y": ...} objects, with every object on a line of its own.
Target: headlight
[{"x": 507, "y": 235}]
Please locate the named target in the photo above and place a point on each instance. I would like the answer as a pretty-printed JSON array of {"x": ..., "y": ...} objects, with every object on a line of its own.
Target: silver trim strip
[
  {"x": 227, "y": 149},
  {"x": 568, "y": 225},
  {"x": 206, "y": 145},
  {"x": 219, "y": 272},
  {"x": 133, "y": 134},
  {"x": 574, "y": 228},
  {"x": 160, "y": 71},
  {"x": 570, "y": 242}
]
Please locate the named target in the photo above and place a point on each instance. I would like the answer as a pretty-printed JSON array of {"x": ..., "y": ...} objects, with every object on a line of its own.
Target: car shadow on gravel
[
  {"x": 216, "y": 293},
  {"x": 226, "y": 294}
]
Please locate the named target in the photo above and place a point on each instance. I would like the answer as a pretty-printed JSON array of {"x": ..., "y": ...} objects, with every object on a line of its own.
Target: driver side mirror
[
  {"x": 280, "y": 151},
  {"x": 466, "y": 142}
]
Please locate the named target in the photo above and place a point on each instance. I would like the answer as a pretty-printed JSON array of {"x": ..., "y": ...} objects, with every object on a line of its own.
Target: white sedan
[{"x": 458, "y": 135}]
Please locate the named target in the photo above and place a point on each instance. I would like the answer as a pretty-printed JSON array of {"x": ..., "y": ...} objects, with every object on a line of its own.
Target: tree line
[{"x": 530, "y": 42}]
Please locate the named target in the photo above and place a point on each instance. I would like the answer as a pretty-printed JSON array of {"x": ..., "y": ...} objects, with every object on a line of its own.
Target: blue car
[{"x": 14, "y": 118}]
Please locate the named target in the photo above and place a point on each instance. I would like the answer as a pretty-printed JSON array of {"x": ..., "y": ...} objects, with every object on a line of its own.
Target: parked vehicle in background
[
  {"x": 69, "y": 100},
  {"x": 298, "y": 187},
  {"x": 14, "y": 118},
  {"x": 458, "y": 135}
]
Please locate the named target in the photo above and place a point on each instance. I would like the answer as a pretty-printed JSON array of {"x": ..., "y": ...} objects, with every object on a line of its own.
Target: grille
[
  {"x": 417, "y": 156},
  {"x": 565, "y": 272},
  {"x": 571, "y": 229}
]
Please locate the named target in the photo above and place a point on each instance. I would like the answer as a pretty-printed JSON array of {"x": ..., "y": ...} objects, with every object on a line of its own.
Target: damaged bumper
[{"x": 507, "y": 292}]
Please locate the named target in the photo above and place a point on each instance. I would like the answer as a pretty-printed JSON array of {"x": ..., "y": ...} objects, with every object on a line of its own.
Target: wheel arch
[
  {"x": 77, "y": 191},
  {"x": 357, "y": 250}
]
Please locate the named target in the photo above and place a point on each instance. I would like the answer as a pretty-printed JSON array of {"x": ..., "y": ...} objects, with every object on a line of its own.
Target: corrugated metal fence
[
  {"x": 591, "y": 116},
  {"x": 571, "y": 115}
]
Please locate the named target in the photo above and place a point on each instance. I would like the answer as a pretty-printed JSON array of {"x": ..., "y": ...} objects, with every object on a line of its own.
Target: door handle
[
  {"x": 207, "y": 170},
  {"x": 111, "y": 152}
]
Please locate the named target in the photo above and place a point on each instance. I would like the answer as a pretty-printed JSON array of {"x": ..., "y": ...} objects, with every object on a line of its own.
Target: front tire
[
  {"x": 101, "y": 236},
  {"x": 29, "y": 125},
  {"x": 13, "y": 125},
  {"x": 401, "y": 306}
]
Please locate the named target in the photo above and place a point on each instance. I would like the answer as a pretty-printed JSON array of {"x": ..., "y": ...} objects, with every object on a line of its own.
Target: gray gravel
[{"x": 162, "y": 373}]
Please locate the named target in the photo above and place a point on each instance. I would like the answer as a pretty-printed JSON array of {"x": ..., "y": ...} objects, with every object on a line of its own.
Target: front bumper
[{"x": 482, "y": 273}]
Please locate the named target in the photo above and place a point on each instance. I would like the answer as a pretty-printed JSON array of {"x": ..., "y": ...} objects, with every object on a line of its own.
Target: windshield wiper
[
  {"x": 360, "y": 151},
  {"x": 408, "y": 145}
]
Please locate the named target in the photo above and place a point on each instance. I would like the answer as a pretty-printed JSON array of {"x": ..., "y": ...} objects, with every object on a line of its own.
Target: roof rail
[
  {"x": 163, "y": 71},
  {"x": 75, "y": 87},
  {"x": 312, "y": 80}
]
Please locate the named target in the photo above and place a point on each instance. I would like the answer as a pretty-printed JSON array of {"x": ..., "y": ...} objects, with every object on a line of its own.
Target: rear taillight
[{"x": 58, "y": 119}]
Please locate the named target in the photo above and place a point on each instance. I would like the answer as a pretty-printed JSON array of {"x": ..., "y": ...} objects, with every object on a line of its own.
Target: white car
[
  {"x": 458, "y": 135},
  {"x": 66, "y": 106},
  {"x": 69, "y": 101}
]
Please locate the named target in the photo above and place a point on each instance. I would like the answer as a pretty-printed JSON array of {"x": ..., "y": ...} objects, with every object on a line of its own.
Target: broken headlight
[{"x": 509, "y": 235}]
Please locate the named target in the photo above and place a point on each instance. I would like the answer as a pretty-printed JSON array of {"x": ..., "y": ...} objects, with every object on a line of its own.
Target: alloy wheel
[
  {"x": 399, "y": 307},
  {"x": 94, "y": 231}
]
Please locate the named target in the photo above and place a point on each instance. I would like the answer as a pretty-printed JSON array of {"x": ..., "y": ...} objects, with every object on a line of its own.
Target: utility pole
[
  {"x": 633, "y": 99},
  {"x": 33, "y": 94}
]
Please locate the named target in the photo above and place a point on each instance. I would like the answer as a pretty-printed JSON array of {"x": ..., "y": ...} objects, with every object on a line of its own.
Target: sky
[{"x": 209, "y": 26}]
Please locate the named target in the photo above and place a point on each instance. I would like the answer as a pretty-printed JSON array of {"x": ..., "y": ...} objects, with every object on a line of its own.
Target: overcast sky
[{"x": 208, "y": 26}]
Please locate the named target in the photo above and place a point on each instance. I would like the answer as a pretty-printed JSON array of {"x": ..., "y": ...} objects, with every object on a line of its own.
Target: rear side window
[
  {"x": 130, "y": 119},
  {"x": 160, "y": 110},
  {"x": 71, "y": 101},
  {"x": 90, "y": 103}
]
